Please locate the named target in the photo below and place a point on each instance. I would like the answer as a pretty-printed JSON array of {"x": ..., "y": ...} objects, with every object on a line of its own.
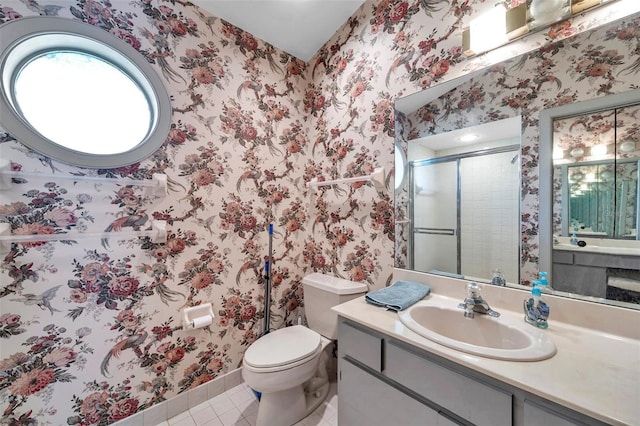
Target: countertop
[
  {"x": 600, "y": 246},
  {"x": 593, "y": 372}
]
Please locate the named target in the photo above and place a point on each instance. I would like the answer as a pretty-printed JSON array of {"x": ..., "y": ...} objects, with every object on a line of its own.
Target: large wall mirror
[
  {"x": 589, "y": 197},
  {"x": 583, "y": 196}
]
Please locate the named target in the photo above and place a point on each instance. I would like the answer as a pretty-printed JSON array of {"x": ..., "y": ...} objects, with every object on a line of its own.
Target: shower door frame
[{"x": 437, "y": 231}]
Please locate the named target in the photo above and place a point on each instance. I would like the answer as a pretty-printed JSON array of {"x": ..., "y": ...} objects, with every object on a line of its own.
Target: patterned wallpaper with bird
[{"x": 90, "y": 330}]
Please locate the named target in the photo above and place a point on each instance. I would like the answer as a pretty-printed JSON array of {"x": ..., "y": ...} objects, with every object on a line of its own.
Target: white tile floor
[{"x": 239, "y": 407}]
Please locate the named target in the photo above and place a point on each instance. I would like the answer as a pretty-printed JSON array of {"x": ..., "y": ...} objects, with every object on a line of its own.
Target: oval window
[{"x": 76, "y": 93}]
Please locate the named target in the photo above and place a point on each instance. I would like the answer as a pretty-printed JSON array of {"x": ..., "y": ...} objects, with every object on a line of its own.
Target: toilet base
[
  {"x": 288, "y": 407},
  {"x": 315, "y": 392},
  {"x": 283, "y": 408}
]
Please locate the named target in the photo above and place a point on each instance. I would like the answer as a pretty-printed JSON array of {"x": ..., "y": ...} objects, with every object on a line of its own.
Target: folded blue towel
[
  {"x": 398, "y": 296},
  {"x": 446, "y": 274}
]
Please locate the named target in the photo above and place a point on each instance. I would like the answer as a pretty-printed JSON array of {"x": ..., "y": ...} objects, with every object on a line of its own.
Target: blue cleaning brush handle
[
  {"x": 271, "y": 229},
  {"x": 266, "y": 267}
]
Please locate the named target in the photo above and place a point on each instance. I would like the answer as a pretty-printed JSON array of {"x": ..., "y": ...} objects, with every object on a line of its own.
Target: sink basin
[{"x": 507, "y": 337}]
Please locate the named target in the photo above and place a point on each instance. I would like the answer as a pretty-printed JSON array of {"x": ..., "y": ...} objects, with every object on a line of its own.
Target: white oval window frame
[{"x": 23, "y": 38}]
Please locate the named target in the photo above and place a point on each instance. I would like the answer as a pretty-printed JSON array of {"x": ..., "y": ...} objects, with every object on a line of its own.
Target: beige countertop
[{"x": 594, "y": 372}]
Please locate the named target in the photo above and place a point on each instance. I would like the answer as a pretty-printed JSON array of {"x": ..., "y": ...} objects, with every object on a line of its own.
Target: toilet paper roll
[{"x": 203, "y": 321}]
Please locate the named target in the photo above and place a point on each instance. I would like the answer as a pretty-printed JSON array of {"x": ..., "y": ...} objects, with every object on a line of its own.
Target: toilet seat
[{"x": 283, "y": 348}]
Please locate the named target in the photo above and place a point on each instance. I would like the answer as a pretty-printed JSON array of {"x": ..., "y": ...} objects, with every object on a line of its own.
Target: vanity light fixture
[
  {"x": 493, "y": 29},
  {"x": 558, "y": 153},
  {"x": 578, "y": 6},
  {"x": 598, "y": 150},
  {"x": 591, "y": 177},
  {"x": 577, "y": 176},
  {"x": 628, "y": 146},
  {"x": 577, "y": 152},
  {"x": 545, "y": 12},
  {"x": 606, "y": 175},
  {"x": 488, "y": 30}
]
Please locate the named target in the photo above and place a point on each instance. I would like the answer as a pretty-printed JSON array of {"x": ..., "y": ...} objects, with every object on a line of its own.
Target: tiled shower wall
[{"x": 490, "y": 219}]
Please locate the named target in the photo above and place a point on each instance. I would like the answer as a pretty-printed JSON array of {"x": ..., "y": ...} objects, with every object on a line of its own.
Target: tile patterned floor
[{"x": 239, "y": 407}]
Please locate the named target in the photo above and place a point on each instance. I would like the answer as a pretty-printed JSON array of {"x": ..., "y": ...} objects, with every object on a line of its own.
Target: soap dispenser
[
  {"x": 543, "y": 283},
  {"x": 536, "y": 310}
]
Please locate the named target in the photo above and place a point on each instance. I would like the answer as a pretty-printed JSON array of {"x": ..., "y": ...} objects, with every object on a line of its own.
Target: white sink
[{"x": 507, "y": 337}]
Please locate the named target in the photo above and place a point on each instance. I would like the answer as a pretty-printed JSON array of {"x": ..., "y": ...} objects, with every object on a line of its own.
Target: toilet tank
[{"x": 321, "y": 293}]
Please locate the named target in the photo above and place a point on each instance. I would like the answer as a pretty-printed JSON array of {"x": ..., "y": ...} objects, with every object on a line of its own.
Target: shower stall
[{"x": 464, "y": 211}]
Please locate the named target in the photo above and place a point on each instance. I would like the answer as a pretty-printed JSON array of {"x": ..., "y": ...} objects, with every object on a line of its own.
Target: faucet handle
[{"x": 473, "y": 290}]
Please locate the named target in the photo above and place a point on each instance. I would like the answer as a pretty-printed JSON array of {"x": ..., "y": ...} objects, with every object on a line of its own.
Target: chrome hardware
[{"x": 474, "y": 303}]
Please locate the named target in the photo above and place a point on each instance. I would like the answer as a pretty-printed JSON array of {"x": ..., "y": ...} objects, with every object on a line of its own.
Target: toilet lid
[{"x": 283, "y": 346}]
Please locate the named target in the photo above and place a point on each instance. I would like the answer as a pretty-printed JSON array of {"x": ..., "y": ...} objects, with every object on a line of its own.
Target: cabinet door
[
  {"x": 477, "y": 402},
  {"x": 536, "y": 415},
  {"x": 364, "y": 400},
  {"x": 365, "y": 346}
]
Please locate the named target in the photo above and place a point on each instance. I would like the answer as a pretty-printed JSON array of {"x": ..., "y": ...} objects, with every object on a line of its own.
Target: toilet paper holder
[{"x": 197, "y": 316}]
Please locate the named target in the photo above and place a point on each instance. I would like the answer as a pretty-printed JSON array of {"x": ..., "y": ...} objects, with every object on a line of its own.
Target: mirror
[
  {"x": 596, "y": 175},
  {"x": 567, "y": 75},
  {"x": 587, "y": 149}
]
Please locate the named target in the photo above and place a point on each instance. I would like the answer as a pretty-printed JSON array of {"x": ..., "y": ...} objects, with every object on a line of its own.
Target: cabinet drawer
[
  {"x": 536, "y": 414},
  {"x": 561, "y": 256},
  {"x": 361, "y": 345},
  {"x": 368, "y": 401},
  {"x": 476, "y": 402},
  {"x": 606, "y": 261}
]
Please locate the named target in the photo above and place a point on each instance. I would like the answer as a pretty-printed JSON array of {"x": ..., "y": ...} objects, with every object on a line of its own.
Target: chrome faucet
[
  {"x": 474, "y": 303},
  {"x": 574, "y": 238}
]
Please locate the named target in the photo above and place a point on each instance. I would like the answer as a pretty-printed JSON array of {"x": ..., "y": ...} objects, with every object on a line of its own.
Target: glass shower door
[{"x": 435, "y": 242}]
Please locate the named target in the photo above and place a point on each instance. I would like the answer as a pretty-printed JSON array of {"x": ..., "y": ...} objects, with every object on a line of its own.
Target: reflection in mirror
[
  {"x": 400, "y": 167},
  {"x": 596, "y": 175},
  {"x": 595, "y": 249},
  {"x": 553, "y": 82},
  {"x": 464, "y": 203}
]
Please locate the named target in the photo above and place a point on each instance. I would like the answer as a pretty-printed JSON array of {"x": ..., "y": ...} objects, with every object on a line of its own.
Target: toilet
[{"x": 288, "y": 366}]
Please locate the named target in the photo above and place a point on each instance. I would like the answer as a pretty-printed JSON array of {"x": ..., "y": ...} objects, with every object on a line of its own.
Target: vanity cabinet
[
  {"x": 585, "y": 272},
  {"x": 384, "y": 381}
]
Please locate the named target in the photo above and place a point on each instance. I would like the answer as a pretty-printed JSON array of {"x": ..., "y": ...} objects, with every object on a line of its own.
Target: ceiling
[
  {"x": 488, "y": 132},
  {"x": 299, "y": 27}
]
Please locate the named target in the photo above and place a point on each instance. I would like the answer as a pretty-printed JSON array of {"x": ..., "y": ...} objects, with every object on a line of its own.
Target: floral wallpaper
[
  {"x": 90, "y": 329},
  {"x": 571, "y": 70}
]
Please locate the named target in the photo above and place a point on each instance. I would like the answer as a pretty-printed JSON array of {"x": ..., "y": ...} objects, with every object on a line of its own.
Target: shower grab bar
[
  {"x": 158, "y": 181},
  {"x": 435, "y": 231},
  {"x": 377, "y": 178},
  {"x": 158, "y": 234}
]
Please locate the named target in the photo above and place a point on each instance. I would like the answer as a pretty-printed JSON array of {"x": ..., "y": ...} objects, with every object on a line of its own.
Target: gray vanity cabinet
[
  {"x": 364, "y": 407},
  {"x": 536, "y": 415},
  {"x": 586, "y": 273},
  {"x": 384, "y": 381}
]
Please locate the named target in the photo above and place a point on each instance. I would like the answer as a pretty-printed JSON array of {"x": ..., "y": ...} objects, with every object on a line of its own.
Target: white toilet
[{"x": 288, "y": 366}]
